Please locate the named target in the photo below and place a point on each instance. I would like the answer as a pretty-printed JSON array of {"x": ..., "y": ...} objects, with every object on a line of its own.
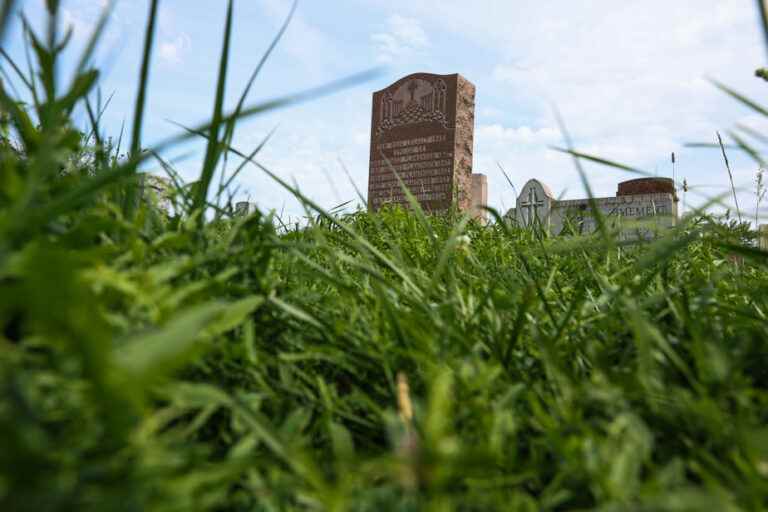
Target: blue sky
[{"x": 629, "y": 78}]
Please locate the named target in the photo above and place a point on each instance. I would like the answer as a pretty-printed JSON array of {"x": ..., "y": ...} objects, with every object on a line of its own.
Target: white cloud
[
  {"x": 312, "y": 159},
  {"x": 173, "y": 44},
  {"x": 80, "y": 26},
  {"x": 172, "y": 51},
  {"x": 314, "y": 49},
  {"x": 82, "y": 16},
  {"x": 628, "y": 77},
  {"x": 491, "y": 112},
  {"x": 402, "y": 38},
  {"x": 523, "y": 135},
  {"x": 166, "y": 19}
]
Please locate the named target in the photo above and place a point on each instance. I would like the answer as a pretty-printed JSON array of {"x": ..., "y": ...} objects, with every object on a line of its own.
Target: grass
[{"x": 367, "y": 361}]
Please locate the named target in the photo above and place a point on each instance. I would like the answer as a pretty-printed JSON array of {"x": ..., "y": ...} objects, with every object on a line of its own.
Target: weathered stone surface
[
  {"x": 646, "y": 186},
  {"x": 422, "y": 129},
  {"x": 464, "y": 141},
  {"x": 763, "y": 232},
  {"x": 618, "y": 211},
  {"x": 242, "y": 208},
  {"x": 479, "y": 197},
  {"x": 534, "y": 204}
]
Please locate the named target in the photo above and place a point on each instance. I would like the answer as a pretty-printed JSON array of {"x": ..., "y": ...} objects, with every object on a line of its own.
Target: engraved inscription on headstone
[
  {"x": 422, "y": 129},
  {"x": 617, "y": 211}
]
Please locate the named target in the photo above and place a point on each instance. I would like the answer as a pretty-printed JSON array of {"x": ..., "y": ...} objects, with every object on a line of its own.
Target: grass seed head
[{"x": 404, "y": 406}]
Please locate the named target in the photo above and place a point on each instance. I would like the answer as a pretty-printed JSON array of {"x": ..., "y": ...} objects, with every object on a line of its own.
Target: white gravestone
[{"x": 534, "y": 204}]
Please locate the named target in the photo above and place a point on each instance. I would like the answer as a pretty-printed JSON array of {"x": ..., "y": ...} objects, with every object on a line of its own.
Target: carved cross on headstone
[
  {"x": 531, "y": 207},
  {"x": 412, "y": 89}
]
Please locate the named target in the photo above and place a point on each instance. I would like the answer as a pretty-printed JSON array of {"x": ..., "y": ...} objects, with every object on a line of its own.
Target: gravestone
[
  {"x": 643, "y": 199},
  {"x": 479, "y": 196},
  {"x": 242, "y": 208},
  {"x": 422, "y": 129},
  {"x": 534, "y": 204}
]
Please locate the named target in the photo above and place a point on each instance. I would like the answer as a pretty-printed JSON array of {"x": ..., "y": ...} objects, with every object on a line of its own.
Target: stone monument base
[{"x": 479, "y": 197}]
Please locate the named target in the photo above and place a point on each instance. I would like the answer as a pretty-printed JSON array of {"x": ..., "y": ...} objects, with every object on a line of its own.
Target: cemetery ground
[{"x": 366, "y": 361}]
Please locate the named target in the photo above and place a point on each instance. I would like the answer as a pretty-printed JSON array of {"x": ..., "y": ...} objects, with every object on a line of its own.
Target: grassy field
[{"x": 156, "y": 360}]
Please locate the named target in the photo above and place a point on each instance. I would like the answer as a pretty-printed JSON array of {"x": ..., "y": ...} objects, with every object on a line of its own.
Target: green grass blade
[
  {"x": 158, "y": 352},
  {"x": 6, "y": 12},
  {"x": 252, "y": 155},
  {"x": 269, "y": 105},
  {"x": 138, "y": 116},
  {"x": 213, "y": 149},
  {"x": 730, "y": 174},
  {"x": 257, "y": 70},
  {"x": 749, "y": 150},
  {"x": 602, "y": 161},
  {"x": 762, "y": 9},
  {"x": 413, "y": 203},
  {"x": 93, "y": 41},
  {"x": 506, "y": 177},
  {"x": 16, "y": 69},
  {"x": 709, "y": 145},
  {"x": 753, "y": 253},
  {"x": 359, "y": 194},
  {"x": 752, "y": 133},
  {"x": 596, "y": 213},
  {"x": 740, "y": 98}
]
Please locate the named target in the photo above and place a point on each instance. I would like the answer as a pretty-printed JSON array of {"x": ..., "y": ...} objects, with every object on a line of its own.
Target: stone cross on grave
[{"x": 531, "y": 205}]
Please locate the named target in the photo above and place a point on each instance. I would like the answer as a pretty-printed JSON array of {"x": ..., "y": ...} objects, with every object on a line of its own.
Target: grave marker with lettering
[
  {"x": 640, "y": 199},
  {"x": 422, "y": 129}
]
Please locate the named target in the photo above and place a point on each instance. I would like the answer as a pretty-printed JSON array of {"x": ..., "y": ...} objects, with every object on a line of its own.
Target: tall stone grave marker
[{"x": 422, "y": 128}]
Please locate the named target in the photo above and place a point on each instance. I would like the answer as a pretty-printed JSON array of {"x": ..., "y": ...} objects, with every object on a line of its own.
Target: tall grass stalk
[
  {"x": 138, "y": 116},
  {"x": 730, "y": 175},
  {"x": 760, "y": 191}
]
